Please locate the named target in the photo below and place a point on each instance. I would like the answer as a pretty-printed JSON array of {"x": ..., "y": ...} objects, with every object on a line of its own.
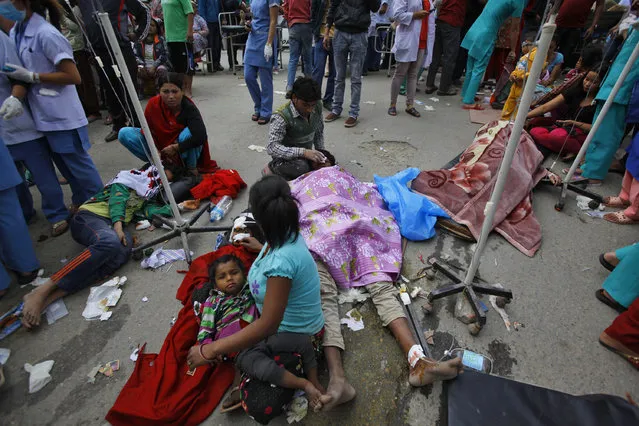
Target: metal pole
[
  {"x": 602, "y": 114},
  {"x": 491, "y": 207},
  {"x": 130, "y": 87}
]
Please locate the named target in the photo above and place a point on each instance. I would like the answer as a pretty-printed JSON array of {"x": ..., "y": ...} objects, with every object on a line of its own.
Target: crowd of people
[{"x": 52, "y": 86}]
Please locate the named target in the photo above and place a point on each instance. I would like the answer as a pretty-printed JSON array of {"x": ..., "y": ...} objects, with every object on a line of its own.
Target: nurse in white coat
[{"x": 408, "y": 14}]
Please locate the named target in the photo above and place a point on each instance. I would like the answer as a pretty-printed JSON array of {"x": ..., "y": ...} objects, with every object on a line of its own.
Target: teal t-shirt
[
  {"x": 303, "y": 312},
  {"x": 175, "y": 20}
]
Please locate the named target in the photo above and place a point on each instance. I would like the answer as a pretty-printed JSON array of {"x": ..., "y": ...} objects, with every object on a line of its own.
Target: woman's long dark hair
[
  {"x": 41, "y": 7},
  {"x": 275, "y": 210}
]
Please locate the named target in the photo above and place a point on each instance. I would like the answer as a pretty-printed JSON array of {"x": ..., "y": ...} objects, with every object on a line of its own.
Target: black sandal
[
  {"x": 262, "y": 121},
  {"x": 609, "y": 266},
  {"x": 255, "y": 117},
  {"x": 599, "y": 294},
  {"x": 412, "y": 111}
]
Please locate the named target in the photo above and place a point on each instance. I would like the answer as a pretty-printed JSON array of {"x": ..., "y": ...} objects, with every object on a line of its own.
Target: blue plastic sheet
[{"x": 415, "y": 214}]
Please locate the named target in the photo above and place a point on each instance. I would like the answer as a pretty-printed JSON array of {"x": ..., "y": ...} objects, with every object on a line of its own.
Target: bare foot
[
  {"x": 313, "y": 395},
  {"x": 609, "y": 341},
  {"x": 427, "y": 371},
  {"x": 339, "y": 392},
  {"x": 32, "y": 310}
]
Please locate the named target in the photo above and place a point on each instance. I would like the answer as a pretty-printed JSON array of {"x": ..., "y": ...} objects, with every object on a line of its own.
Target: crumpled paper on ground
[
  {"x": 38, "y": 375},
  {"x": 352, "y": 295},
  {"x": 101, "y": 298},
  {"x": 257, "y": 148},
  {"x": 297, "y": 409},
  {"x": 4, "y": 355},
  {"x": 353, "y": 320},
  {"x": 161, "y": 257},
  {"x": 55, "y": 311}
]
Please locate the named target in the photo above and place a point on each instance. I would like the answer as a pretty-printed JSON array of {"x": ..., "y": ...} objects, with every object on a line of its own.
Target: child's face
[
  {"x": 229, "y": 278},
  {"x": 526, "y": 46}
]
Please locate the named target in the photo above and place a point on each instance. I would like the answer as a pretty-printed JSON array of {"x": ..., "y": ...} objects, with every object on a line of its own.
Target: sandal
[
  {"x": 255, "y": 117},
  {"x": 599, "y": 294},
  {"x": 262, "y": 121},
  {"x": 615, "y": 202},
  {"x": 392, "y": 111},
  {"x": 609, "y": 266},
  {"x": 619, "y": 218},
  {"x": 430, "y": 89},
  {"x": 231, "y": 403},
  {"x": 475, "y": 106},
  {"x": 59, "y": 228},
  {"x": 412, "y": 111},
  {"x": 634, "y": 360},
  {"x": 567, "y": 169}
]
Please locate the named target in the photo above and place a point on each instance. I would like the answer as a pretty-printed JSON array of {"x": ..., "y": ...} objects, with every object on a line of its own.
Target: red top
[
  {"x": 574, "y": 13},
  {"x": 423, "y": 34},
  {"x": 452, "y": 12},
  {"x": 297, "y": 12}
]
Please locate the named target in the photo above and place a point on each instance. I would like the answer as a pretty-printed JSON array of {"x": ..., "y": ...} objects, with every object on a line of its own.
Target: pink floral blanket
[
  {"x": 346, "y": 225},
  {"x": 464, "y": 190}
]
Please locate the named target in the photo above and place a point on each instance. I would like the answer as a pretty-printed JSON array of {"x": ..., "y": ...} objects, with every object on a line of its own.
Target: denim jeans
[
  {"x": 319, "y": 64},
  {"x": 103, "y": 255},
  {"x": 133, "y": 140},
  {"x": 345, "y": 44},
  {"x": 300, "y": 42},
  {"x": 373, "y": 55}
]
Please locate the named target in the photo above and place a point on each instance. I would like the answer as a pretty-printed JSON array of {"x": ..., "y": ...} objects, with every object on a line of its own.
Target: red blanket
[
  {"x": 159, "y": 392},
  {"x": 219, "y": 184}
]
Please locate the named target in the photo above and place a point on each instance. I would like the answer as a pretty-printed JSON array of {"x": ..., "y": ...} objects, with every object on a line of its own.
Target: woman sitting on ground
[
  {"x": 177, "y": 128},
  {"x": 99, "y": 226},
  {"x": 151, "y": 57},
  {"x": 285, "y": 285},
  {"x": 560, "y": 132}
]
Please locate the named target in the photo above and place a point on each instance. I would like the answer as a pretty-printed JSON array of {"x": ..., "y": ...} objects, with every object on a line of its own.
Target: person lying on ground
[
  {"x": 177, "y": 128},
  {"x": 229, "y": 309},
  {"x": 99, "y": 226},
  {"x": 285, "y": 285},
  {"x": 296, "y": 133},
  {"x": 571, "y": 118},
  {"x": 356, "y": 243}
]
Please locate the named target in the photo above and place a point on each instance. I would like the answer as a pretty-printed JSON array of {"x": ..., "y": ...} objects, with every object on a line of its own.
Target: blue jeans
[
  {"x": 103, "y": 255},
  {"x": 319, "y": 64},
  {"x": 300, "y": 42},
  {"x": 345, "y": 45},
  {"x": 262, "y": 92},
  {"x": 133, "y": 140},
  {"x": 373, "y": 57},
  {"x": 16, "y": 248}
]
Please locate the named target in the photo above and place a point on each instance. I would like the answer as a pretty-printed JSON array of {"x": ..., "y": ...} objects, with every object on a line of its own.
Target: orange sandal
[
  {"x": 619, "y": 218},
  {"x": 615, "y": 202}
]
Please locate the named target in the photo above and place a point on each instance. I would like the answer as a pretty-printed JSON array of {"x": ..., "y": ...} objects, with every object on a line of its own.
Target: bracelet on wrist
[{"x": 200, "y": 349}]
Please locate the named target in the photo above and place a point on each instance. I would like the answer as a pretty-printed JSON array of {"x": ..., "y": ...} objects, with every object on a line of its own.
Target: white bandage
[{"x": 415, "y": 354}]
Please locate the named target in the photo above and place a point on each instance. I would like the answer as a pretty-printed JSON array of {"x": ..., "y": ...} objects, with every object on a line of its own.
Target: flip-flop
[
  {"x": 412, "y": 111},
  {"x": 255, "y": 117},
  {"x": 392, "y": 111},
  {"x": 473, "y": 106},
  {"x": 633, "y": 360},
  {"x": 619, "y": 218},
  {"x": 599, "y": 294},
  {"x": 230, "y": 404},
  {"x": 615, "y": 202},
  {"x": 609, "y": 266}
]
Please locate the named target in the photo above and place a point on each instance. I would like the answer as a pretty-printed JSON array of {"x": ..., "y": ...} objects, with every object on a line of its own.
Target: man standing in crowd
[
  {"x": 450, "y": 20},
  {"x": 118, "y": 102},
  {"x": 321, "y": 53},
  {"x": 300, "y": 38},
  {"x": 352, "y": 19},
  {"x": 178, "y": 27},
  {"x": 571, "y": 20},
  {"x": 210, "y": 10}
]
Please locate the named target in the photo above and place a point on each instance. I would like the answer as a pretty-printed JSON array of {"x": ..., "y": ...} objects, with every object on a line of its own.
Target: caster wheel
[
  {"x": 474, "y": 329},
  {"x": 593, "y": 204},
  {"x": 559, "y": 206},
  {"x": 427, "y": 309},
  {"x": 502, "y": 301}
]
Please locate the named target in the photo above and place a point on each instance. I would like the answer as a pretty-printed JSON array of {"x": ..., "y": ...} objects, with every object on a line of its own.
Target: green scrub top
[{"x": 623, "y": 96}]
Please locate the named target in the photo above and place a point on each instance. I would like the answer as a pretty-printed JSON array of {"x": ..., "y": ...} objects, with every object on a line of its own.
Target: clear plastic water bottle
[
  {"x": 221, "y": 208},
  {"x": 473, "y": 360}
]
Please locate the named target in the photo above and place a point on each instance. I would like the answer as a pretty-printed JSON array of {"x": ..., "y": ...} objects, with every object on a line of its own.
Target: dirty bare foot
[
  {"x": 427, "y": 371},
  {"x": 33, "y": 305},
  {"x": 339, "y": 392},
  {"x": 313, "y": 395}
]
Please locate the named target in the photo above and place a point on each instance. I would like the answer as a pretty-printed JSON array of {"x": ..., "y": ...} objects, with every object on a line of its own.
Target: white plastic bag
[{"x": 38, "y": 375}]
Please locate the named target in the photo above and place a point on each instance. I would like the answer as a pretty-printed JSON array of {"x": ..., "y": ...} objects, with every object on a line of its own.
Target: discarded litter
[
  {"x": 375, "y": 129},
  {"x": 189, "y": 205},
  {"x": 94, "y": 371},
  {"x": 10, "y": 321},
  {"x": 582, "y": 203},
  {"x": 297, "y": 410},
  {"x": 381, "y": 148},
  {"x": 502, "y": 313},
  {"x": 434, "y": 99},
  {"x": 145, "y": 299},
  {"x": 428, "y": 334},
  {"x": 161, "y": 257},
  {"x": 593, "y": 213},
  {"x": 429, "y": 108},
  {"x": 55, "y": 311},
  {"x": 353, "y": 320},
  {"x": 134, "y": 355},
  {"x": 279, "y": 92},
  {"x": 447, "y": 104},
  {"x": 110, "y": 367},
  {"x": 242, "y": 84},
  {"x": 38, "y": 375},
  {"x": 63, "y": 260},
  {"x": 101, "y": 298},
  {"x": 142, "y": 225},
  {"x": 418, "y": 102},
  {"x": 4, "y": 355},
  {"x": 369, "y": 102},
  {"x": 357, "y": 162},
  {"x": 352, "y": 295},
  {"x": 258, "y": 148}
]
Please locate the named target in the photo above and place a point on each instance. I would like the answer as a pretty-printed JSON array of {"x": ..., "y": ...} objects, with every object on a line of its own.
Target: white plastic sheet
[{"x": 38, "y": 375}]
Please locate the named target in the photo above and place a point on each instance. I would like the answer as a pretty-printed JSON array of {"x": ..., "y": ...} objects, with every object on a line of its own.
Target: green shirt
[{"x": 175, "y": 19}]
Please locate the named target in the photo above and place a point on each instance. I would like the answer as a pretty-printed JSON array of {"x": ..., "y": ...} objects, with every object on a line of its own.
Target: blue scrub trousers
[
  {"x": 36, "y": 156},
  {"x": 475, "y": 69},
  {"x": 623, "y": 282},
  {"x": 606, "y": 141},
  {"x": 321, "y": 55},
  {"x": 262, "y": 96},
  {"x": 133, "y": 140},
  {"x": 16, "y": 247},
  {"x": 69, "y": 153}
]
